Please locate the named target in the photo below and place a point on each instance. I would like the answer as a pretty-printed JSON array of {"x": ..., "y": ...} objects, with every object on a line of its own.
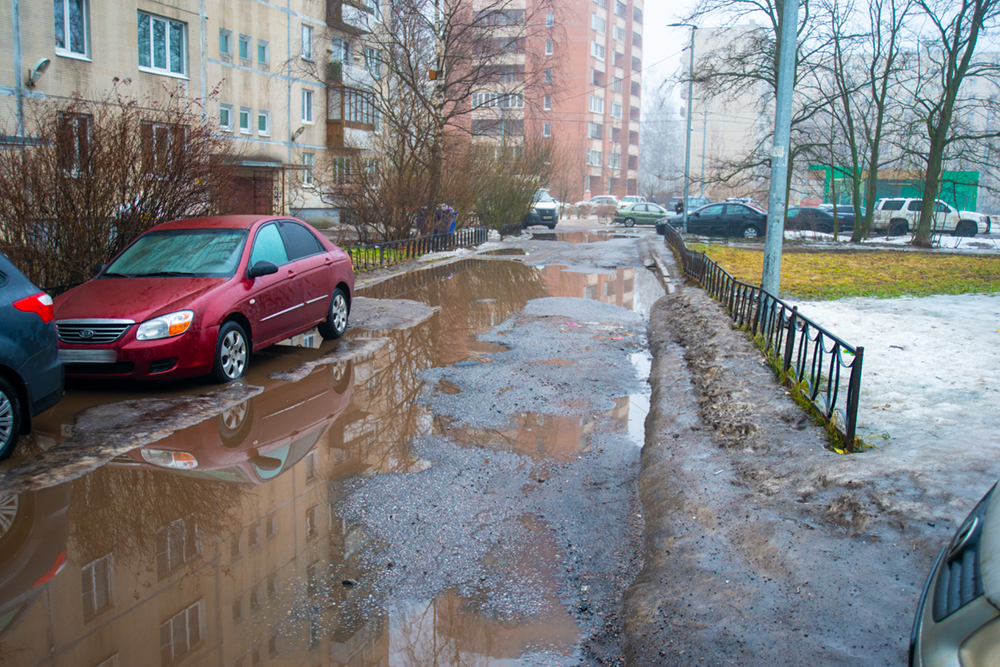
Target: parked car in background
[
  {"x": 640, "y": 214},
  {"x": 199, "y": 296},
  {"x": 31, "y": 376},
  {"x": 897, "y": 216},
  {"x": 957, "y": 622},
  {"x": 630, "y": 199},
  {"x": 817, "y": 219},
  {"x": 728, "y": 219},
  {"x": 544, "y": 211}
]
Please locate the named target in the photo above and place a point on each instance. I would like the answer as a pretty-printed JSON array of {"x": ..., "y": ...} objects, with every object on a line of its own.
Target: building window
[
  {"x": 162, "y": 45},
  {"x": 263, "y": 52},
  {"x": 311, "y": 531},
  {"x": 264, "y": 122},
  {"x": 547, "y": 103},
  {"x": 620, "y": 8},
  {"x": 616, "y": 85},
  {"x": 497, "y": 100},
  {"x": 176, "y": 544},
  {"x": 272, "y": 646},
  {"x": 312, "y": 583},
  {"x": 272, "y": 587},
  {"x": 238, "y": 609},
  {"x": 245, "y": 120},
  {"x": 597, "y": 23},
  {"x": 616, "y": 110},
  {"x": 312, "y": 456},
  {"x": 73, "y": 143},
  {"x": 596, "y": 104},
  {"x": 594, "y": 130},
  {"x": 96, "y": 578},
  {"x": 550, "y": 20},
  {"x": 548, "y": 75},
  {"x": 180, "y": 634},
  {"x": 161, "y": 143},
  {"x": 373, "y": 62},
  {"x": 72, "y": 29},
  {"x": 546, "y": 129},
  {"x": 597, "y": 50},
  {"x": 549, "y": 47},
  {"x": 601, "y": 3},
  {"x": 235, "y": 547},
  {"x": 245, "y": 47},
  {"x": 614, "y": 160},
  {"x": 253, "y": 535},
  {"x": 307, "y": 106},
  {"x": 225, "y": 42},
  {"x": 618, "y": 33},
  {"x": 594, "y": 158},
  {"x": 341, "y": 50},
  {"x": 271, "y": 529},
  {"x": 307, "y": 42},
  {"x": 226, "y": 117}
]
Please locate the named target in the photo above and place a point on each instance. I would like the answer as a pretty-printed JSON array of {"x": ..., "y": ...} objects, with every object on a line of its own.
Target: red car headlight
[{"x": 165, "y": 326}]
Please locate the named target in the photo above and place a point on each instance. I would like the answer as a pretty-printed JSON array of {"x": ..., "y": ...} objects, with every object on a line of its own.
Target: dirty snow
[{"x": 930, "y": 388}]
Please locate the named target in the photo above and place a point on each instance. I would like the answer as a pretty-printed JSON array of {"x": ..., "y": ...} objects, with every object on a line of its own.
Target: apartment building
[
  {"x": 590, "y": 104},
  {"x": 287, "y": 84}
]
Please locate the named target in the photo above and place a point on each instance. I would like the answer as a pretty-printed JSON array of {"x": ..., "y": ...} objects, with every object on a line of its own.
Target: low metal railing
[
  {"x": 811, "y": 357},
  {"x": 379, "y": 255}
]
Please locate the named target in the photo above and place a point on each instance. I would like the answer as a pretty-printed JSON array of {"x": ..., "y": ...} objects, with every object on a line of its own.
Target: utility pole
[
  {"x": 771, "y": 274},
  {"x": 15, "y": 6},
  {"x": 687, "y": 141}
]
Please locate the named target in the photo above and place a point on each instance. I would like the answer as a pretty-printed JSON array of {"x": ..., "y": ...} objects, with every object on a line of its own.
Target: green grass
[{"x": 885, "y": 274}]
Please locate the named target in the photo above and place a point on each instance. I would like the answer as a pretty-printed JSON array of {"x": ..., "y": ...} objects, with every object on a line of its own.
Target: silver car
[{"x": 958, "y": 618}]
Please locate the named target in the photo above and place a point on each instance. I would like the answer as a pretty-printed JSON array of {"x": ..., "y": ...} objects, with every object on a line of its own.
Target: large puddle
[{"x": 223, "y": 542}]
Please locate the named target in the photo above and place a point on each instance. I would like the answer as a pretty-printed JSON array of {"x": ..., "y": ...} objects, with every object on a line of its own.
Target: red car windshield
[{"x": 199, "y": 253}]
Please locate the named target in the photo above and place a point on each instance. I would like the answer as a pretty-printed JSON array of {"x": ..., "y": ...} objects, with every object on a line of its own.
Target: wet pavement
[{"x": 451, "y": 484}]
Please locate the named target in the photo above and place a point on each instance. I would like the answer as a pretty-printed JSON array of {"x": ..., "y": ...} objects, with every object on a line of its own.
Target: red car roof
[{"x": 217, "y": 222}]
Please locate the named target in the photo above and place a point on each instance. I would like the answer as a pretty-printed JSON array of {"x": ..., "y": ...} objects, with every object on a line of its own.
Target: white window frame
[
  {"x": 228, "y": 34},
  {"x": 550, "y": 20},
  {"x": 616, "y": 85},
  {"x": 89, "y": 570},
  {"x": 614, "y": 160},
  {"x": 594, "y": 130},
  {"x": 373, "y": 62},
  {"x": 248, "y": 129},
  {"x": 185, "y": 629},
  {"x": 165, "y": 71},
  {"x": 307, "y": 42},
  {"x": 265, "y": 115},
  {"x": 597, "y": 50},
  {"x": 618, "y": 33},
  {"x": 228, "y": 110},
  {"x": 616, "y": 110},
  {"x": 307, "y": 106},
  {"x": 67, "y": 51},
  {"x": 547, "y": 103},
  {"x": 548, "y": 75},
  {"x": 620, "y": 8},
  {"x": 549, "y": 47},
  {"x": 596, "y": 104},
  {"x": 263, "y": 46},
  {"x": 597, "y": 23},
  {"x": 595, "y": 158},
  {"x": 244, "y": 40},
  {"x": 546, "y": 129}
]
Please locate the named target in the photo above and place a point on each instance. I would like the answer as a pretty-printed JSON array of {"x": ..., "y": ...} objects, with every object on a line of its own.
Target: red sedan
[{"x": 196, "y": 297}]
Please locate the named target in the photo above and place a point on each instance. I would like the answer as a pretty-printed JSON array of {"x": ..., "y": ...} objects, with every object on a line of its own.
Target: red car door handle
[{"x": 291, "y": 274}]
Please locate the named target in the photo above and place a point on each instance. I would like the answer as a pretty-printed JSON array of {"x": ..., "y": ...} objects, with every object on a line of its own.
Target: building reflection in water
[{"x": 235, "y": 554}]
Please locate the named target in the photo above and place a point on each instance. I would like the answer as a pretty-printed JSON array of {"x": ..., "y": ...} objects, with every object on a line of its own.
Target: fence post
[
  {"x": 853, "y": 391},
  {"x": 760, "y": 306},
  {"x": 790, "y": 339}
]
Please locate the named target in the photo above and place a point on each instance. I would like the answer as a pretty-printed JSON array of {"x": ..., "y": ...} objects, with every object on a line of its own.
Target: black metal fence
[
  {"x": 379, "y": 255},
  {"x": 813, "y": 358}
]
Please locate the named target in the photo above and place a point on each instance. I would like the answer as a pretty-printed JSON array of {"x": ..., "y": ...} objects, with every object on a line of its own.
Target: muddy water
[{"x": 222, "y": 538}]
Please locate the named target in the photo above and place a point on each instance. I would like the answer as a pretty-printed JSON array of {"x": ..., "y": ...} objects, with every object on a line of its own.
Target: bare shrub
[{"x": 100, "y": 174}]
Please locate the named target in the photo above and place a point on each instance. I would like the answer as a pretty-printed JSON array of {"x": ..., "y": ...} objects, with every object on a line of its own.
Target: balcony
[
  {"x": 636, "y": 40},
  {"x": 634, "y": 114},
  {"x": 636, "y": 88},
  {"x": 347, "y": 108},
  {"x": 355, "y": 17},
  {"x": 633, "y": 138},
  {"x": 637, "y": 15},
  {"x": 636, "y": 64}
]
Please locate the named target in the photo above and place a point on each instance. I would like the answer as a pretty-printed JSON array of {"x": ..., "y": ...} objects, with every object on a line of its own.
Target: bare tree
[
  {"x": 661, "y": 152},
  {"x": 951, "y": 121},
  {"x": 100, "y": 173}
]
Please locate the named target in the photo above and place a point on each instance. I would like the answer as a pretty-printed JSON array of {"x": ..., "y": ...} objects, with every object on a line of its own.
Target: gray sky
[{"x": 661, "y": 46}]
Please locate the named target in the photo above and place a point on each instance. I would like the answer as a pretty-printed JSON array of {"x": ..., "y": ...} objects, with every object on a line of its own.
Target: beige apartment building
[{"x": 287, "y": 83}]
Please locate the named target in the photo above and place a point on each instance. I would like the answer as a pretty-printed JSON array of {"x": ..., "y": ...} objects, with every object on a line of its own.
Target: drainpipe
[{"x": 18, "y": 67}]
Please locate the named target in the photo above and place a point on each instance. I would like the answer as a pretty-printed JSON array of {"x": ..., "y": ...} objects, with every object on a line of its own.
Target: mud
[{"x": 753, "y": 557}]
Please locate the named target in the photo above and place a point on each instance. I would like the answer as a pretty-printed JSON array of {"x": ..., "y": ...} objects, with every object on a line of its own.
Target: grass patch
[{"x": 885, "y": 274}]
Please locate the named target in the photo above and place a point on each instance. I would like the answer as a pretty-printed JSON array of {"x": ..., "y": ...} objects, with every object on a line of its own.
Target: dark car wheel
[
  {"x": 966, "y": 228},
  {"x": 750, "y": 232},
  {"x": 336, "y": 320},
  {"x": 630, "y": 222},
  {"x": 898, "y": 228},
  {"x": 234, "y": 423},
  {"x": 232, "y": 352},
  {"x": 10, "y": 418}
]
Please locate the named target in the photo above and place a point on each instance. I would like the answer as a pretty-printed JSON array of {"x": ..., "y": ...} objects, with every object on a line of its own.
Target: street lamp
[{"x": 687, "y": 140}]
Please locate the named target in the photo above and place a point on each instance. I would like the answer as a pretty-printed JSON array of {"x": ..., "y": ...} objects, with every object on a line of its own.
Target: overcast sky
[{"x": 662, "y": 46}]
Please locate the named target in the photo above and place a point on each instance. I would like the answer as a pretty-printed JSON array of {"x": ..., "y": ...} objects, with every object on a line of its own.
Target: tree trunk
[{"x": 932, "y": 180}]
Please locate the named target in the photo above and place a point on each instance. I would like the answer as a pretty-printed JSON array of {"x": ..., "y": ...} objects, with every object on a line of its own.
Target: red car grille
[{"x": 92, "y": 332}]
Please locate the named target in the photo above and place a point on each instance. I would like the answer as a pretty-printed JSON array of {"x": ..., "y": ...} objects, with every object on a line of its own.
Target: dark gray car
[{"x": 31, "y": 376}]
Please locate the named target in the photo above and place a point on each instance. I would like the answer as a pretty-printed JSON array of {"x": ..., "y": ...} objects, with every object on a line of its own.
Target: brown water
[{"x": 241, "y": 558}]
